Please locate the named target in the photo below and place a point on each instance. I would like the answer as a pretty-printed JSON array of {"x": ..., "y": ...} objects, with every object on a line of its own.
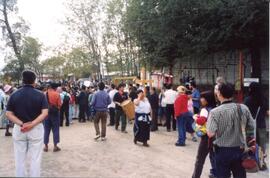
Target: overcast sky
[{"x": 44, "y": 17}]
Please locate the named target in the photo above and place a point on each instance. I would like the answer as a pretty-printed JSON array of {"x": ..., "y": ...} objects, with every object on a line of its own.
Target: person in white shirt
[
  {"x": 162, "y": 107},
  {"x": 170, "y": 96},
  {"x": 112, "y": 105},
  {"x": 142, "y": 119}
]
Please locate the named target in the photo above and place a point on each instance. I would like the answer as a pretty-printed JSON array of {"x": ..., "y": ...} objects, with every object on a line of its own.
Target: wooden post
[{"x": 240, "y": 91}]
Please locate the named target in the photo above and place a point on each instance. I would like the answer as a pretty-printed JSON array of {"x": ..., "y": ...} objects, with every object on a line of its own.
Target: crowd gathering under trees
[
  {"x": 136, "y": 33},
  {"x": 184, "y": 109}
]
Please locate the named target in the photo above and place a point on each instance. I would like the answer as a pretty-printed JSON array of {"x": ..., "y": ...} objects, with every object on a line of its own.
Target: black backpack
[{"x": 66, "y": 100}]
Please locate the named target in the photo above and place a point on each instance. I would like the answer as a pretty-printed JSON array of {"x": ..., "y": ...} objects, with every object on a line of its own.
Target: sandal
[{"x": 56, "y": 149}]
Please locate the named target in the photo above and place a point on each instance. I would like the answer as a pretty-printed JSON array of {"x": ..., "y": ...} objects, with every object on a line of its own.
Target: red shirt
[
  {"x": 181, "y": 105},
  {"x": 54, "y": 98}
]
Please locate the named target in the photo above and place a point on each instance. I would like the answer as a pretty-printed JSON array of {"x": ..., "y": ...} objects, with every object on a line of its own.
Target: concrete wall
[{"x": 205, "y": 70}]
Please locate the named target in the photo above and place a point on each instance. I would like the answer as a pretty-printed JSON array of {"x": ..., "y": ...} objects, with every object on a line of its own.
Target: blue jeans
[
  {"x": 228, "y": 159},
  {"x": 52, "y": 123},
  {"x": 181, "y": 125},
  {"x": 71, "y": 112}
]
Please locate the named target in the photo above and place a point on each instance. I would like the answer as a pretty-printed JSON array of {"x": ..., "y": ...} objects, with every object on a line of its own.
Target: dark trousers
[
  {"x": 112, "y": 114},
  {"x": 228, "y": 159},
  {"x": 120, "y": 116},
  {"x": 170, "y": 117},
  {"x": 202, "y": 153},
  {"x": 52, "y": 123},
  {"x": 64, "y": 111},
  {"x": 82, "y": 111},
  {"x": 100, "y": 115},
  {"x": 154, "y": 123}
]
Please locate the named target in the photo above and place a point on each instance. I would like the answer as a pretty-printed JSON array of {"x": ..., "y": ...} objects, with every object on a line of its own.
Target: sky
[{"x": 44, "y": 17}]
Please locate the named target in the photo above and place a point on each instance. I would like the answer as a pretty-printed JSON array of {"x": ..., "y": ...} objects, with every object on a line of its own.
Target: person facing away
[
  {"x": 169, "y": 98},
  {"x": 181, "y": 115},
  {"x": 259, "y": 108},
  {"x": 100, "y": 102},
  {"x": 225, "y": 123},
  {"x": 64, "y": 110},
  {"x": 195, "y": 97},
  {"x": 153, "y": 99},
  {"x": 83, "y": 104},
  {"x": 27, "y": 108},
  {"x": 111, "y": 107},
  {"x": 52, "y": 122}
]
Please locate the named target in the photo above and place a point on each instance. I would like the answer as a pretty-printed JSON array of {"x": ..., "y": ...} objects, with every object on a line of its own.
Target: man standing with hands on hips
[{"x": 27, "y": 108}]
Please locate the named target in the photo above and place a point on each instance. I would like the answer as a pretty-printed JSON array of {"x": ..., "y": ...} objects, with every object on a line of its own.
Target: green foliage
[
  {"x": 166, "y": 30},
  {"x": 30, "y": 52},
  {"x": 76, "y": 62}
]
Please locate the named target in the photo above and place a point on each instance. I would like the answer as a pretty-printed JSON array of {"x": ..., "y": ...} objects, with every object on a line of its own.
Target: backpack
[{"x": 66, "y": 100}]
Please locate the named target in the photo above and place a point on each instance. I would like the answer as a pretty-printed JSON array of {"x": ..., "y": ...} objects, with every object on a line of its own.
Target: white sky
[{"x": 44, "y": 17}]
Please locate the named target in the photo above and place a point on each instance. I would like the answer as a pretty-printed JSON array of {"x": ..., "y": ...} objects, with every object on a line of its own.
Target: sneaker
[
  {"x": 180, "y": 144},
  {"x": 194, "y": 139},
  {"x": 103, "y": 139},
  {"x": 124, "y": 131},
  {"x": 97, "y": 137}
]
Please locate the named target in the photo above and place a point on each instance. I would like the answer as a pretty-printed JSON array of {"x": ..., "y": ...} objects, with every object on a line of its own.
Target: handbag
[
  {"x": 53, "y": 110},
  {"x": 249, "y": 158}
]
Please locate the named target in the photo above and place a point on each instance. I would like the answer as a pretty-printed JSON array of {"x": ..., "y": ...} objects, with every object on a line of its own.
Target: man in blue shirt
[
  {"x": 27, "y": 108},
  {"x": 100, "y": 102},
  {"x": 195, "y": 98}
]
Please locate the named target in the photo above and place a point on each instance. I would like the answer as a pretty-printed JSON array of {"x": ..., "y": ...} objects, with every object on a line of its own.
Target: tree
[
  {"x": 166, "y": 30},
  {"x": 84, "y": 18},
  {"x": 12, "y": 33},
  {"x": 30, "y": 52}
]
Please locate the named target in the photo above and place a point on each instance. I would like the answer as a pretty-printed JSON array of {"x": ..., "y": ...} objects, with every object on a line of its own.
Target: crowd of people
[{"x": 212, "y": 116}]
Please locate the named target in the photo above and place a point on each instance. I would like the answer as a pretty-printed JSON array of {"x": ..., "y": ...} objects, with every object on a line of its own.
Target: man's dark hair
[
  {"x": 64, "y": 89},
  {"x": 83, "y": 87},
  {"x": 121, "y": 85},
  {"x": 101, "y": 86},
  {"x": 209, "y": 96},
  {"x": 226, "y": 90},
  {"x": 139, "y": 91},
  {"x": 28, "y": 77},
  {"x": 168, "y": 86},
  {"x": 112, "y": 86},
  {"x": 193, "y": 84}
]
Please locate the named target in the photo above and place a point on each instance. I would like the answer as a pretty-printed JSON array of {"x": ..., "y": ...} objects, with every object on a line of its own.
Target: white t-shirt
[
  {"x": 111, "y": 94},
  {"x": 204, "y": 113},
  {"x": 170, "y": 96},
  {"x": 143, "y": 107}
]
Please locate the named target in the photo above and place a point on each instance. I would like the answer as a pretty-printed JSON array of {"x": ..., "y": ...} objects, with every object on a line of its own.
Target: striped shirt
[{"x": 226, "y": 123}]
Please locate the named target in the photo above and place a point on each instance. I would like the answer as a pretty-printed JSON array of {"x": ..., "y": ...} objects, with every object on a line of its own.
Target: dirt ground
[{"x": 81, "y": 156}]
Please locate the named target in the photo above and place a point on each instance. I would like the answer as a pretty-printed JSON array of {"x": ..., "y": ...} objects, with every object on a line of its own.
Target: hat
[
  {"x": 7, "y": 88},
  {"x": 181, "y": 89}
]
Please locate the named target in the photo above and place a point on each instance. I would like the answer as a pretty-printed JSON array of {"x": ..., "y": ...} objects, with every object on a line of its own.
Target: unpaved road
[{"x": 81, "y": 156}]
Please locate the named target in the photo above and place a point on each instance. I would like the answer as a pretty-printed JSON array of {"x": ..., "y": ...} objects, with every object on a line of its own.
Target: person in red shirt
[{"x": 181, "y": 114}]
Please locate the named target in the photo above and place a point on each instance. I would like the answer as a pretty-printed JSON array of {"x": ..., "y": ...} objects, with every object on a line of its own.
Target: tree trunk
[
  {"x": 255, "y": 63},
  {"x": 12, "y": 37}
]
